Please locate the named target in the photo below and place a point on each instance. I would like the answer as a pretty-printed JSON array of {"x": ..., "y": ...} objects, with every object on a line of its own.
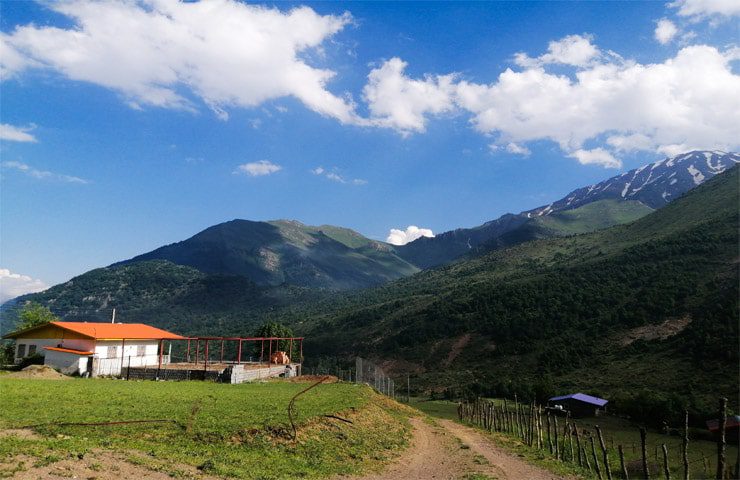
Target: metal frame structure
[{"x": 240, "y": 341}]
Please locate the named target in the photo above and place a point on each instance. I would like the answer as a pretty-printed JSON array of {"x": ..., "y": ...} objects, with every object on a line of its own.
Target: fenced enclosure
[
  {"x": 594, "y": 449},
  {"x": 371, "y": 374}
]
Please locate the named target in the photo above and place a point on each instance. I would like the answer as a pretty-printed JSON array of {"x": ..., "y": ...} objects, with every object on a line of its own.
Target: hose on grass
[{"x": 292, "y": 403}]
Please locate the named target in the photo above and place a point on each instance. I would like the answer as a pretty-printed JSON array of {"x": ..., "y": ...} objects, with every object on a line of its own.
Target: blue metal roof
[{"x": 599, "y": 402}]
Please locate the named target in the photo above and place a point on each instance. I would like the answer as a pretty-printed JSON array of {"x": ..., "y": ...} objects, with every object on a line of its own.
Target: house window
[
  {"x": 140, "y": 350},
  {"x": 112, "y": 351},
  {"x": 21, "y": 350},
  {"x": 31, "y": 350}
]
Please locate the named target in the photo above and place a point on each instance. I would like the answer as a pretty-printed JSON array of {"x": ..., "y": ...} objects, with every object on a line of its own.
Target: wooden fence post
[
  {"x": 578, "y": 445},
  {"x": 665, "y": 463},
  {"x": 557, "y": 446},
  {"x": 607, "y": 468},
  {"x": 686, "y": 446},
  {"x": 570, "y": 443},
  {"x": 643, "y": 435},
  {"x": 622, "y": 464},
  {"x": 596, "y": 458},
  {"x": 721, "y": 443},
  {"x": 549, "y": 437}
]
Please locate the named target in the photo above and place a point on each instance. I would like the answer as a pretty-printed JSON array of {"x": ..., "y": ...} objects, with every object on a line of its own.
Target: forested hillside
[{"x": 584, "y": 312}]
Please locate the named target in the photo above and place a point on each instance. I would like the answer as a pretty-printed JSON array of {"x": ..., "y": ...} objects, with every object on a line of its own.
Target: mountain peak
[{"x": 654, "y": 184}]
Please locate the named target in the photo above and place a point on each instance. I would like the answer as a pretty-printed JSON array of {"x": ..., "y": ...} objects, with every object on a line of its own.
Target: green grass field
[
  {"x": 616, "y": 431},
  {"x": 226, "y": 430}
]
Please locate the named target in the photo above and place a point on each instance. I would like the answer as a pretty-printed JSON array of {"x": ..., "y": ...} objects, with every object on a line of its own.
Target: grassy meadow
[{"x": 224, "y": 430}]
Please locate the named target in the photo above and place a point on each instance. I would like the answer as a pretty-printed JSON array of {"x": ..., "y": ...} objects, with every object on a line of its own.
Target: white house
[{"x": 94, "y": 348}]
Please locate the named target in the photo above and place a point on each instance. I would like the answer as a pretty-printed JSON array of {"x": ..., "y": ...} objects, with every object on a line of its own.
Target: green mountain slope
[
  {"x": 653, "y": 186},
  {"x": 556, "y": 312},
  {"x": 287, "y": 252},
  {"x": 166, "y": 295}
]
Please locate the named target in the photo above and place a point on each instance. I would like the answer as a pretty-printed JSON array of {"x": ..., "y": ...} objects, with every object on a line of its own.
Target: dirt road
[{"x": 449, "y": 450}]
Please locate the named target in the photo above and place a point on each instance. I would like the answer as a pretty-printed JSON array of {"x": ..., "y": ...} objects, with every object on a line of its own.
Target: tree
[
  {"x": 33, "y": 314},
  {"x": 274, "y": 329}
]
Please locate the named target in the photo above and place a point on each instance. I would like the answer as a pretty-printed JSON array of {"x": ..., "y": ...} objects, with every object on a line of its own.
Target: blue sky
[{"x": 130, "y": 126}]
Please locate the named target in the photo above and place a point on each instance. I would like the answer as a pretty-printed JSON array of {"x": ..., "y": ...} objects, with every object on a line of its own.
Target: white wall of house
[
  {"x": 23, "y": 345},
  {"x": 111, "y": 355},
  {"x": 108, "y": 359},
  {"x": 69, "y": 363}
]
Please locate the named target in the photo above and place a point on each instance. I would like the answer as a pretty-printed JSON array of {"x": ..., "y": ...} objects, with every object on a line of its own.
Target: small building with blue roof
[{"x": 579, "y": 404}]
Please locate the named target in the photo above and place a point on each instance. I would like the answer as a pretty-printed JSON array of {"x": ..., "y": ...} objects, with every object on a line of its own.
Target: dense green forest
[{"x": 549, "y": 316}]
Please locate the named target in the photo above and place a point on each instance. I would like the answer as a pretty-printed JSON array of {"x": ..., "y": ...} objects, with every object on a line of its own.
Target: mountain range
[
  {"x": 284, "y": 255},
  {"x": 624, "y": 198},
  {"x": 625, "y": 285},
  {"x": 335, "y": 258}
]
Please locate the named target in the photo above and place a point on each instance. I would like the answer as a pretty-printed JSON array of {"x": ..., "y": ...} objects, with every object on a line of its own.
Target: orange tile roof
[
  {"x": 68, "y": 350},
  {"x": 102, "y": 331},
  {"x": 118, "y": 331}
]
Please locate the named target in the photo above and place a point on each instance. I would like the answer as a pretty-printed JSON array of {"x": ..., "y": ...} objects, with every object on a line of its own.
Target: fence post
[
  {"x": 643, "y": 435},
  {"x": 596, "y": 458},
  {"x": 557, "y": 445},
  {"x": 721, "y": 443},
  {"x": 621, "y": 462},
  {"x": 686, "y": 446},
  {"x": 665, "y": 463},
  {"x": 578, "y": 445},
  {"x": 604, "y": 452}
]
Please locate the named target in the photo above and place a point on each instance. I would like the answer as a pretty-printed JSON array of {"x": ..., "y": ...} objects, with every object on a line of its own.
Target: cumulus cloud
[
  {"x": 574, "y": 50},
  {"x": 665, "y": 31},
  {"x": 595, "y": 97},
  {"x": 412, "y": 232},
  {"x": 41, "y": 174},
  {"x": 402, "y": 103},
  {"x": 597, "y": 156},
  {"x": 14, "y": 285},
  {"x": 258, "y": 169},
  {"x": 699, "y": 9},
  {"x": 11, "y": 133},
  {"x": 167, "y": 53}
]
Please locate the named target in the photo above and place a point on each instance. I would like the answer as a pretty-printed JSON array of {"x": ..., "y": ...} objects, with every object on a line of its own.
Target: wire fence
[{"x": 371, "y": 374}]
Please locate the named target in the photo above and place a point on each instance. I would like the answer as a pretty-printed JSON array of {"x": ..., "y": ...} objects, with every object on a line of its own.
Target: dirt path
[
  {"x": 509, "y": 465},
  {"x": 453, "y": 451}
]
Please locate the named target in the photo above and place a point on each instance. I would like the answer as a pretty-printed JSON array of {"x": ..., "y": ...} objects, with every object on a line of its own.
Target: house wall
[
  {"x": 68, "y": 363},
  {"x": 40, "y": 343},
  {"x": 109, "y": 355},
  {"x": 112, "y": 355}
]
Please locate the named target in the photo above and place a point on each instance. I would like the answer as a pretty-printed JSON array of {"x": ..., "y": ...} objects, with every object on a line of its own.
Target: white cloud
[
  {"x": 517, "y": 149},
  {"x": 335, "y": 177},
  {"x": 699, "y": 9},
  {"x": 14, "y": 285},
  {"x": 665, "y": 30},
  {"x": 399, "y": 102},
  {"x": 12, "y": 133},
  {"x": 614, "y": 104},
  {"x": 637, "y": 106},
  {"x": 412, "y": 232},
  {"x": 597, "y": 156},
  {"x": 166, "y": 53},
  {"x": 41, "y": 174},
  {"x": 574, "y": 50},
  {"x": 258, "y": 169}
]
